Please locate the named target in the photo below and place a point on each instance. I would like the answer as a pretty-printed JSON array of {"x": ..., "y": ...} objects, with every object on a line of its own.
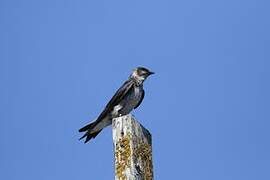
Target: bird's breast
[{"x": 131, "y": 101}]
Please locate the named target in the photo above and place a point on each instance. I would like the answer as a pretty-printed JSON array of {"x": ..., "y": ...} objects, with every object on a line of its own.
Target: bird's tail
[{"x": 89, "y": 134}]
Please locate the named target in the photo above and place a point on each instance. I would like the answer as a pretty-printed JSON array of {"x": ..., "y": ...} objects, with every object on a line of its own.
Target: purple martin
[{"x": 128, "y": 97}]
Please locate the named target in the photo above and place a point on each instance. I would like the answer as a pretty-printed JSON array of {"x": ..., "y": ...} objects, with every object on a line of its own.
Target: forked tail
[{"x": 89, "y": 134}]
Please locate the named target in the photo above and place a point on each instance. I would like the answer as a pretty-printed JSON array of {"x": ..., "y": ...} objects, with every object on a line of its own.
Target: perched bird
[{"x": 128, "y": 97}]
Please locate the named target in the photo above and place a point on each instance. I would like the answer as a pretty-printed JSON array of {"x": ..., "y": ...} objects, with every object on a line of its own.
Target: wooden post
[{"x": 132, "y": 150}]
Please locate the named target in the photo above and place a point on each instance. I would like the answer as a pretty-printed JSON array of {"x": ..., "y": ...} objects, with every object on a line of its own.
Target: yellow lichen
[
  {"x": 141, "y": 151},
  {"x": 144, "y": 153},
  {"x": 122, "y": 156}
]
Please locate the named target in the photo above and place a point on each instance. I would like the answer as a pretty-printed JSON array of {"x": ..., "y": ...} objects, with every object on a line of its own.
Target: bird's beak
[{"x": 150, "y": 73}]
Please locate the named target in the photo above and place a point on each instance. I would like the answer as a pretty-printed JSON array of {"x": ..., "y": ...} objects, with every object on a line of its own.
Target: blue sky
[{"x": 207, "y": 106}]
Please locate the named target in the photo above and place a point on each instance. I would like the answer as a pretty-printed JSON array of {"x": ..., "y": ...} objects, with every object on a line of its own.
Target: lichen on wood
[
  {"x": 144, "y": 154},
  {"x": 122, "y": 156},
  {"x": 133, "y": 150}
]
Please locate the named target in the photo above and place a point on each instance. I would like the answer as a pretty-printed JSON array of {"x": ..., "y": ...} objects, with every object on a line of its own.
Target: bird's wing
[
  {"x": 118, "y": 96},
  {"x": 140, "y": 100}
]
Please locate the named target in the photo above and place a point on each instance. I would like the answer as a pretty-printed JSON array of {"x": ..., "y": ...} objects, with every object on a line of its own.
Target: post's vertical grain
[{"x": 132, "y": 150}]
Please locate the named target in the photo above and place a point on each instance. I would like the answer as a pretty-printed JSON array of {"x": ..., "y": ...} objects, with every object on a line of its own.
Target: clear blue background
[{"x": 207, "y": 107}]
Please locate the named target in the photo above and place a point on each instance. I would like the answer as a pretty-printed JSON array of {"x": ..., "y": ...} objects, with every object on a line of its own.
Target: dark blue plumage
[{"x": 128, "y": 97}]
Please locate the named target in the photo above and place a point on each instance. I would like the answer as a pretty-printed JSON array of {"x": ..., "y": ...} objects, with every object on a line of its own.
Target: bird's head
[{"x": 140, "y": 74}]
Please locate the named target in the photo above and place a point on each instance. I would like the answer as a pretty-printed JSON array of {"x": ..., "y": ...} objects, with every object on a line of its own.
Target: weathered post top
[{"x": 132, "y": 150}]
